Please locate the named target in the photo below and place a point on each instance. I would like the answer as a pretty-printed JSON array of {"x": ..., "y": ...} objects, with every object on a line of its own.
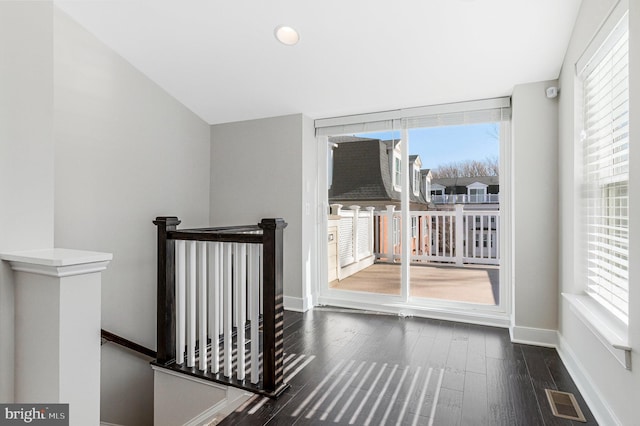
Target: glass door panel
[
  {"x": 365, "y": 221},
  {"x": 455, "y": 214}
]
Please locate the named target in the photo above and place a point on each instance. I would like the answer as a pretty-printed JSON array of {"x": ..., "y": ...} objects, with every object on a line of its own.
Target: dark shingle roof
[
  {"x": 362, "y": 171},
  {"x": 459, "y": 185},
  {"x": 358, "y": 170}
]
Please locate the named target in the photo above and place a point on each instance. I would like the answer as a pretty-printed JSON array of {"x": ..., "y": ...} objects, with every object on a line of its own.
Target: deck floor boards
[
  {"x": 469, "y": 283},
  {"x": 356, "y": 368}
]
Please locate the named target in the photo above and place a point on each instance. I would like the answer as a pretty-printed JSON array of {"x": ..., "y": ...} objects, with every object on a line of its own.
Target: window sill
[{"x": 612, "y": 332}]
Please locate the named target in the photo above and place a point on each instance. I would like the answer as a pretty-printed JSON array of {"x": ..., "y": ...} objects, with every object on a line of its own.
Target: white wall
[
  {"x": 26, "y": 151},
  {"x": 534, "y": 179},
  {"x": 125, "y": 152},
  {"x": 257, "y": 172},
  {"x": 610, "y": 389}
]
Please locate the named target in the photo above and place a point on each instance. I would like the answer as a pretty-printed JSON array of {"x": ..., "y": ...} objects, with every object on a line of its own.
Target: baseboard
[
  {"x": 595, "y": 400},
  {"x": 467, "y": 316},
  {"x": 297, "y": 304},
  {"x": 534, "y": 336}
]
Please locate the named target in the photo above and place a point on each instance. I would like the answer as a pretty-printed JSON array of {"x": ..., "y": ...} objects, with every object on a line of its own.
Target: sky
[{"x": 443, "y": 145}]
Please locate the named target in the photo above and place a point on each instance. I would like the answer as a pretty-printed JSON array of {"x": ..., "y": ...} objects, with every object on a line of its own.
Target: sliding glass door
[{"x": 415, "y": 206}]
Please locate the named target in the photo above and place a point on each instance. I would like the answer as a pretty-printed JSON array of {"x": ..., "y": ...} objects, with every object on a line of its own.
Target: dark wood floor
[{"x": 347, "y": 367}]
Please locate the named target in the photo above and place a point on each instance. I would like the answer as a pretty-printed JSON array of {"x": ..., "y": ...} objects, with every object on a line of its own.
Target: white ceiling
[{"x": 221, "y": 60}]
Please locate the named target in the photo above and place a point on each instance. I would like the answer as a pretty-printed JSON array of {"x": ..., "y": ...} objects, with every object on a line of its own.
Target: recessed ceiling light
[{"x": 286, "y": 35}]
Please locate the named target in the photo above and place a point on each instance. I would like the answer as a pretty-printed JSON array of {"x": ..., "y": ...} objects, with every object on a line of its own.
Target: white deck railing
[
  {"x": 455, "y": 236},
  {"x": 354, "y": 239},
  {"x": 452, "y": 236},
  {"x": 466, "y": 199}
]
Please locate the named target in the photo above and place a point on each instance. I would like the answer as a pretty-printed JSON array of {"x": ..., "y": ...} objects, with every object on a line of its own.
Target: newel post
[
  {"x": 166, "y": 308},
  {"x": 273, "y": 304}
]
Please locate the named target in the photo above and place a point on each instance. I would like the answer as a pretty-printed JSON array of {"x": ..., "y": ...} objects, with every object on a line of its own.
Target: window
[
  {"x": 427, "y": 188},
  {"x": 437, "y": 193},
  {"x": 605, "y": 164},
  {"x": 416, "y": 180},
  {"x": 477, "y": 192},
  {"x": 397, "y": 171}
]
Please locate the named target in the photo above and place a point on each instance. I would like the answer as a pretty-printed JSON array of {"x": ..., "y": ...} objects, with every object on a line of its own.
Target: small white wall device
[{"x": 552, "y": 92}]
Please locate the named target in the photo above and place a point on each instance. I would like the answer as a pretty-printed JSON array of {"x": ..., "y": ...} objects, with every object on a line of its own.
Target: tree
[{"x": 469, "y": 168}]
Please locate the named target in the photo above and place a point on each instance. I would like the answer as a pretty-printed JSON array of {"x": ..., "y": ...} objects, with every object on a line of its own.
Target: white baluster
[
  {"x": 214, "y": 304},
  {"x": 429, "y": 230},
  {"x": 451, "y": 236},
  {"x": 181, "y": 311},
  {"x": 242, "y": 308},
  {"x": 261, "y": 256},
  {"x": 202, "y": 303},
  {"x": 437, "y": 253},
  {"x": 482, "y": 236},
  {"x": 459, "y": 237},
  {"x": 254, "y": 309},
  {"x": 228, "y": 309},
  {"x": 466, "y": 235},
  {"x": 191, "y": 304}
]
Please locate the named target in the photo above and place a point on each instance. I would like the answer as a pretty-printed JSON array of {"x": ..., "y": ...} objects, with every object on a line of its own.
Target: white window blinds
[
  {"x": 472, "y": 112},
  {"x": 605, "y": 154}
]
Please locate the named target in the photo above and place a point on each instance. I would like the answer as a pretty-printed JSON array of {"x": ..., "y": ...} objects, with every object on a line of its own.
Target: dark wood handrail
[
  {"x": 238, "y": 228},
  {"x": 202, "y": 235},
  {"x": 110, "y": 337}
]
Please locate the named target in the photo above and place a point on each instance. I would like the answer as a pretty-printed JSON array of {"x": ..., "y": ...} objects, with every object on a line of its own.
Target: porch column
[{"x": 57, "y": 329}]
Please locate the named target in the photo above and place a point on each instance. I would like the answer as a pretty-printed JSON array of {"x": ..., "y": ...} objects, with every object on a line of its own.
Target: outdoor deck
[{"x": 469, "y": 283}]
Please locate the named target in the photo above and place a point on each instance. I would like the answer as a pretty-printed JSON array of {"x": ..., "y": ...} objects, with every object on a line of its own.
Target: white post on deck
[
  {"x": 459, "y": 234},
  {"x": 354, "y": 233},
  {"x": 371, "y": 231},
  {"x": 334, "y": 209},
  {"x": 390, "y": 252}
]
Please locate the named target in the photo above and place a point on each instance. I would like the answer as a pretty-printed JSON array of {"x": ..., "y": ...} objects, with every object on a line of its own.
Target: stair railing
[{"x": 220, "y": 303}]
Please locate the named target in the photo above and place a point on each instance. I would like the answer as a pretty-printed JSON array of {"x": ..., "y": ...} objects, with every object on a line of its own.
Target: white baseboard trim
[
  {"x": 471, "y": 317},
  {"x": 297, "y": 304},
  {"x": 207, "y": 415},
  {"x": 108, "y": 424},
  {"x": 534, "y": 336},
  {"x": 215, "y": 414},
  {"x": 592, "y": 396}
]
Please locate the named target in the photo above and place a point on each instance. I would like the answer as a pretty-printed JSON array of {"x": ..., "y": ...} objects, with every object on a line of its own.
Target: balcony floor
[{"x": 469, "y": 283}]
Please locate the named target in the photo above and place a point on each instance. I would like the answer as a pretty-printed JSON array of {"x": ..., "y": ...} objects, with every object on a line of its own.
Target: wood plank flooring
[{"x": 354, "y": 368}]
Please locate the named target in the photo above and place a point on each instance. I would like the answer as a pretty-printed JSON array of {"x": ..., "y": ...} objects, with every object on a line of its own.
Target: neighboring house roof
[
  {"x": 459, "y": 185},
  {"x": 362, "y": 171}
]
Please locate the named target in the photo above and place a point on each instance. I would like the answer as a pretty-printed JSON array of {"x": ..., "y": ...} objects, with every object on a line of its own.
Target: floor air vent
[{"x": 564, "y": 404}]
